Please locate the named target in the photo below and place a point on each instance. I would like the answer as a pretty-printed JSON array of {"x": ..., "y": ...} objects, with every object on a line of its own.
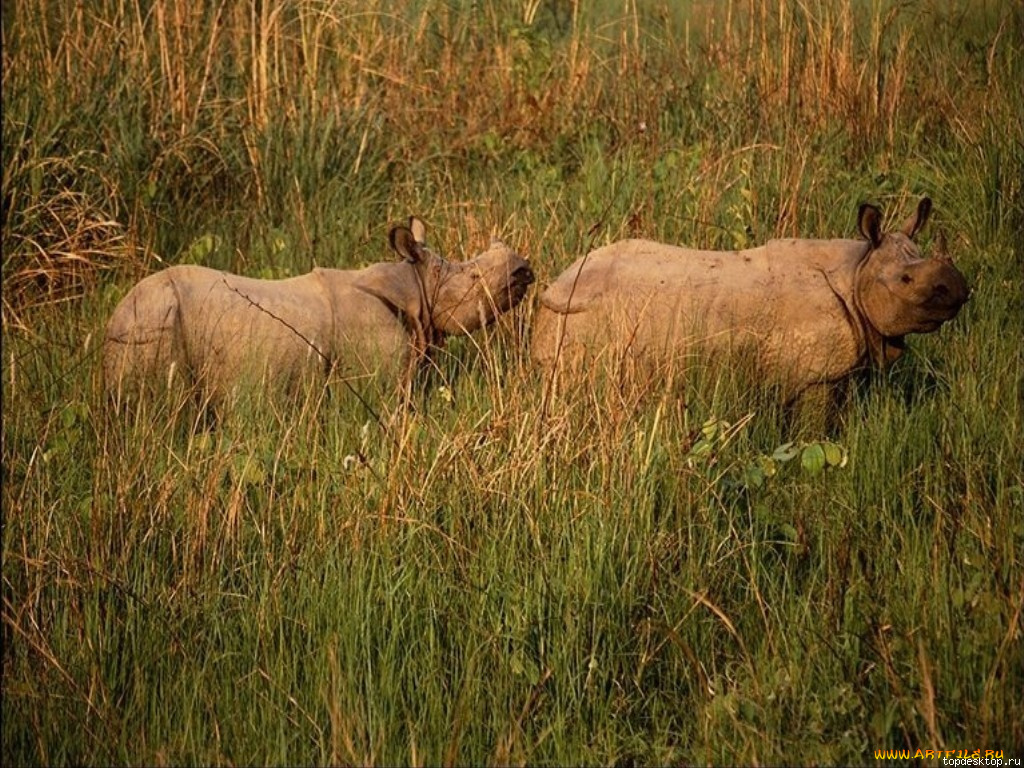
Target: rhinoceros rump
[
  {"x": 812, "y": 311},
  {"x": 219, "y": 330}
]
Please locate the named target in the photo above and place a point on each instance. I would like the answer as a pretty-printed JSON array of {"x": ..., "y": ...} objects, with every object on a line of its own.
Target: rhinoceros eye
[{"x": 906, "y": 278}]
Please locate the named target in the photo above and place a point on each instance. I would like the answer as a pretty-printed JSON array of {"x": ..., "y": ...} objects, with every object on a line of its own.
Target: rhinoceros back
[
  {"x": 224, "y": 332},
  {"x": 785, "y": 302}
]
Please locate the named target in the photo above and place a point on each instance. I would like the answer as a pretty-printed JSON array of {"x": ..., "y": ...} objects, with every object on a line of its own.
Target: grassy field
[{"x": 675, "y": 576}]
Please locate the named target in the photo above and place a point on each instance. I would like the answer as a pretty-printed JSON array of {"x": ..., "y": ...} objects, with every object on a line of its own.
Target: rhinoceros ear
[
  {"x": 913, "y": 225},
  {"x": 403, "y": 242},
  {"x": 869, "y": 222},
  {"x": 419, "y": 229}
]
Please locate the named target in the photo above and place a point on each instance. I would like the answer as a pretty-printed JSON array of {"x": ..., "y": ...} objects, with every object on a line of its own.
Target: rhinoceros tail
[{"x": 144, "y": 343}]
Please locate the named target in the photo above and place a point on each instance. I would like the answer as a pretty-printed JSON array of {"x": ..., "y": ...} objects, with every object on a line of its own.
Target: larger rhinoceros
[
  {"x": 811, "y": 311},
  {"x": 219, "y": 330}
]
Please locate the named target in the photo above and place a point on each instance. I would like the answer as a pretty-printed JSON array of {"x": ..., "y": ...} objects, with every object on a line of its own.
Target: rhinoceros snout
[
  {"x": 520, "y": 280},
  {"x": 523, "y": 275},
  {"x": 950, "y": 290}
]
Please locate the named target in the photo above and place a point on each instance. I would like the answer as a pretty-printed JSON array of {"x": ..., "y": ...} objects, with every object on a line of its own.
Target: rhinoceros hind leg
[{"x": 143, "y": 349}]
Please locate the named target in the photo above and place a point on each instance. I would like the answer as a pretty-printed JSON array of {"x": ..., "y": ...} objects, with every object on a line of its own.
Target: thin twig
[{"x": 328, "y": 362}]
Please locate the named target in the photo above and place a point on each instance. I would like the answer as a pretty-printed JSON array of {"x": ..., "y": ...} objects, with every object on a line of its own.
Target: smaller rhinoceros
[
  {"x": 811, "y": 311},
  {"x": 218, "y": 330}
]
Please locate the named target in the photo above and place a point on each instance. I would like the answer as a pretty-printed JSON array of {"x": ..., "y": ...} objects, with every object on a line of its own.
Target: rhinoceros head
[
  {"x": 899, "y": 291},
  {"x": 461, "y": 297}
]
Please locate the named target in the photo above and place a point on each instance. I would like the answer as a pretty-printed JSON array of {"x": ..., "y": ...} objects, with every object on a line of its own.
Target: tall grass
[{"x": 626, "y": 576}]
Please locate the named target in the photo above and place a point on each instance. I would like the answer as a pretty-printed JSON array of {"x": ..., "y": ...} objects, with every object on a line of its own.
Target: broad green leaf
[
  {"x": 786, "y": 452},
  {"x": 248, "y": 471},
  {"x": 789, "y": 532},
  {"x": 835, "y": 456},
  {"x": 200, "y": 249},
  {"x": 701, "y": 448},
  {"x": 753, "y": 476},
  {"x": 813, "y": 459},
  {"x": 710, "y": 428}
]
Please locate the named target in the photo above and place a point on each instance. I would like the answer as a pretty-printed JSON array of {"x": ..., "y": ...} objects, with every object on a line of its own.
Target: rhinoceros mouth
[
  {"x": 943, "y": 311},
  {"x": 523, "y": 276},
  {"x": 928, "y": 318},
  {"x": 944, "y": 299},
  {"x": 941, "y": 306}
]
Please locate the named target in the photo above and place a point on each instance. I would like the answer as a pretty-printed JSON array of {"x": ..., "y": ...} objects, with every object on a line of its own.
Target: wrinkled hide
[
  {"x": 218, "y": 330},
  {"x": 810, "y": 311}
]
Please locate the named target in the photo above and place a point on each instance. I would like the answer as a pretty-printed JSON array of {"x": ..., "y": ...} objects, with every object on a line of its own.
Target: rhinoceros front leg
[{"x": 814, "y": 412}]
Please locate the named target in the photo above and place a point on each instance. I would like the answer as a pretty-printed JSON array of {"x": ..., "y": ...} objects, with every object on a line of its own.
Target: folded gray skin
[
  {"x": 216, "y": 331},
  {"x": 810, "y": 311}
]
